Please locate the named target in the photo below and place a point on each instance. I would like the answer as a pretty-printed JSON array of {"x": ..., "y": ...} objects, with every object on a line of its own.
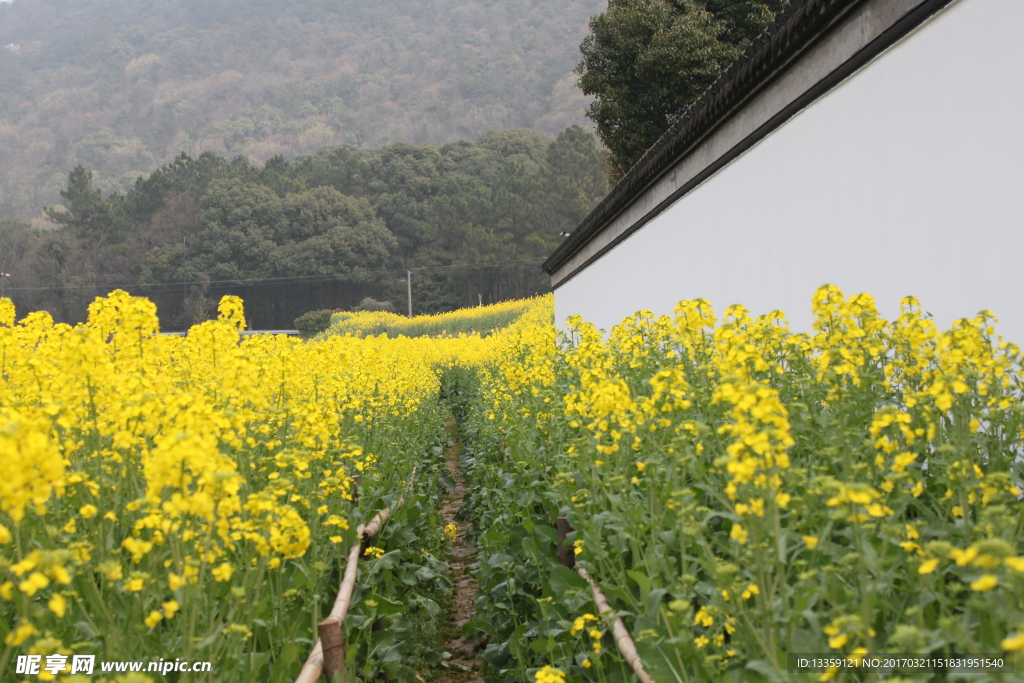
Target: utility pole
[
  {"x": 480, "y": 299},
  {"x": 3, "y": 283},
  {"x": 408, "y": 283},
  {"x": 184, "y": 270}
]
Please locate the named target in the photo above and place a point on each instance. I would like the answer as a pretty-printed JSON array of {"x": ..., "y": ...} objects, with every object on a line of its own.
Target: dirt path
[{"x": 462, "y": 609}]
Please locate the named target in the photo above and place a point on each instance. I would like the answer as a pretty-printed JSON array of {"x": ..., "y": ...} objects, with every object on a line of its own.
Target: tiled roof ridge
[{"x": 792, "y": 30}]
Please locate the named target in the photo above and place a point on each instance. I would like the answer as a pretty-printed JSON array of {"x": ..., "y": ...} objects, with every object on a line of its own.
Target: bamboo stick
[
  {"x": 622, "y": 639},
  {"x": 373, "y": 528},
  {"x": 348, "y": 583},
  {"x": 313, "y": 669},
  {"x": 314, "y": 666}
]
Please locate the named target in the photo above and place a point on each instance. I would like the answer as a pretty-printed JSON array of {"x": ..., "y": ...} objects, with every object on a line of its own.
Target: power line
[{"x": 266, "y": 282}]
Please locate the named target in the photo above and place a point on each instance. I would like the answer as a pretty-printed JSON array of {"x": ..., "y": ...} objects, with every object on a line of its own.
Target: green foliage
[
  {"x": 16, "y": 242},
  {"x": 646, "y": 60},
  {"x": 122, "y": 87},
  {"x": 396, "y": 609},
  {"x": 325, "y": 230},
  {"x": 84, "y": 212},
  {"x": 313, "y": 323},
  {"x": 740, "y": 492}
]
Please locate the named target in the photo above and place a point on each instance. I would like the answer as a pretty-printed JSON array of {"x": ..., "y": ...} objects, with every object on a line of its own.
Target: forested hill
[
  {"x": 472, "y": 220},
  {"x": 123, "y": 86}
]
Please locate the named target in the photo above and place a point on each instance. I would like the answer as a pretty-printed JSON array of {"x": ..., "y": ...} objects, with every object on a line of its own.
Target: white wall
[{"x": 906, "y": 179}]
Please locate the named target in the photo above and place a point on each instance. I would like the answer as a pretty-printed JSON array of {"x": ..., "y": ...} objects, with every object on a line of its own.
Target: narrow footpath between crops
[{"x": 462, "y": 608}]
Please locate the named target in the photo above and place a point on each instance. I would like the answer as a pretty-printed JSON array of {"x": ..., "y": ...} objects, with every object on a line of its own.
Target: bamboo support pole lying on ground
[
  {"x": 328, "y": 654},
  {"x": 622, "y": 639},
  {"x": 566, "y": 557}
]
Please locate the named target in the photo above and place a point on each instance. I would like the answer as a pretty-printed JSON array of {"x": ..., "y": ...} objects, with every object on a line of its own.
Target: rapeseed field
[
  {"x": 192, "y": 496},
  {"x": 740, "y": 492}
]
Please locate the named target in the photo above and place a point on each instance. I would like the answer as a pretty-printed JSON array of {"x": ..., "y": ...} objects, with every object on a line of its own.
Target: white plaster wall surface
[{"x": 906, "y": 179}]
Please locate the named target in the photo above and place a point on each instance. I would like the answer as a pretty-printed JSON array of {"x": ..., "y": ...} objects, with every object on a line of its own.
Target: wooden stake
[
  {"x": 332, "y": 642},
  {"x": 356, "y": 481},
  {"x": 622, "y": 640}
]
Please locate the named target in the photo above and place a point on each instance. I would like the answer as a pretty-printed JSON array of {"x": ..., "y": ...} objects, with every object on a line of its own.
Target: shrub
[{"x": 314, "y": 322}]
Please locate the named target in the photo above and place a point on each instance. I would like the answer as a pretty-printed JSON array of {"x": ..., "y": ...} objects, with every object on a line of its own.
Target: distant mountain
[{"x": 122, "y": 86}]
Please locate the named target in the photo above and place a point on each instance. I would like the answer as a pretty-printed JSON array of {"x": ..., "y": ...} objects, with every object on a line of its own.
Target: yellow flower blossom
[
  {"x": 1015, "y": 563},
  {"x": 223, "y": 572},
  {"x": 985, "y": 582},
  {"x": 963, "y": 557},
  {"x": 58, "y": 605},
  {"x": 171, "y": 608},
  {"x": 20, "y": 634},
  {"x": 549, "y": 674},
  {"x": 1013, "y": 643}
]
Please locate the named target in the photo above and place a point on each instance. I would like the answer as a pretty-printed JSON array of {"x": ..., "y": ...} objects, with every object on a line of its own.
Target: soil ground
[{"x": 464, "y": 667}]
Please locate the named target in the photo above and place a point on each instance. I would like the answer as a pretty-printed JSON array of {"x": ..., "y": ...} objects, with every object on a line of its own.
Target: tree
[
  {"x": 576, "y": 176},
  {"x": 320, "y": 231},
  {"x": 16, "y": 242},
  {"x": 646, "y": 60},
  {"x": 84, "y": 213}
]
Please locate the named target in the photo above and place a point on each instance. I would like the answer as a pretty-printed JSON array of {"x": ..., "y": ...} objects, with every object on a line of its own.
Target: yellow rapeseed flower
[
  {"x": 549, "y": 674},
  {"x": 985, "y": 582},
  {"x": 223, "y": 572},
  {"x": 171, "y": 608},
  {"x": 58, "y": 605},
  {"x": 1013, "y": 643}
]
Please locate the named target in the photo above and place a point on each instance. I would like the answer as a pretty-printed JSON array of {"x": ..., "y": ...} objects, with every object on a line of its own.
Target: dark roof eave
[{"x": 798, "y": 26}]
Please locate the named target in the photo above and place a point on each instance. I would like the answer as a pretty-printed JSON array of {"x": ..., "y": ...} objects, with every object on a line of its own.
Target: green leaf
[
  {"x": 563, "y": 579},
  {"x": 382, "y": 605},
  {"x": 663, "y": 662},
  {"x": 543, "y": 646},
  {"x": 389, "y": 560},
  {"x": 642, "y": 580},
  {"x": 766, "y": 670},
  {"x": 498, "y": 559},
  {"x": 546, "y": 532}
]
